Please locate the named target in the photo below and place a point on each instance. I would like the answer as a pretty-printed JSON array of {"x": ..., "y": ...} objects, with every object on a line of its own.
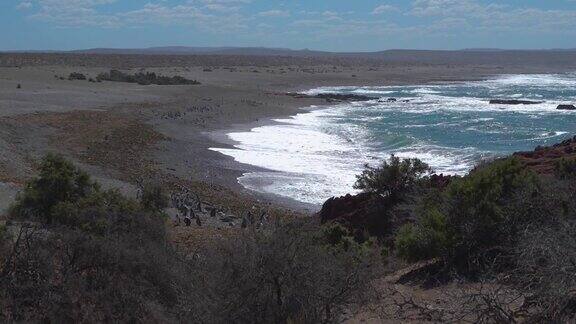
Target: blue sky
[{"x": 335, "y": 25}]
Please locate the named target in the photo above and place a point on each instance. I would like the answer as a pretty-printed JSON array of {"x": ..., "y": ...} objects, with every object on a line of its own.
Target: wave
[
  {"x": 556, "y": 81},
  {"x": 446, "y": 160}
]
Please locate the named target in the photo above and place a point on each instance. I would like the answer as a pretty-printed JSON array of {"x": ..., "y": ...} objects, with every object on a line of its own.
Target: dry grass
[{"x": 99, "y": 138}]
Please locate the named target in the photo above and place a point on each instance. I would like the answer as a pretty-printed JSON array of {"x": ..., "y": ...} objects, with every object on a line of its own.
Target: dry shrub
[{"x": 286, "y": 274}]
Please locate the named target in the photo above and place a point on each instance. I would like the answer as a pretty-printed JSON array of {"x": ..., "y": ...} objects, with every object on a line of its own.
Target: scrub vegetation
[{"x": 73, "y": 252}]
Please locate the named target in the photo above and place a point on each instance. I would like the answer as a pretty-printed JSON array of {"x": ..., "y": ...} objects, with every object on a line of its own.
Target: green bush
[
  {"x": 63, "y": 194},
  {"x": 479, "y": 214},
  {"x": 565, "y": 168},
  {"x": 335, "y": 234},
  {"x": 474, "y": 217},
  {"x": 408, "y": 243},
  {"x": 58, "y": 181},
  {"x": 144, "y": 78},
  {"x": 154, "y": 197},
  {"x": 393, "y": 178},
  {"x": 426, "y": 240},
  {"x": 95, "y": 213},
  {"x": 3, "y": 232},
  {"x": 339, "y": 238}
]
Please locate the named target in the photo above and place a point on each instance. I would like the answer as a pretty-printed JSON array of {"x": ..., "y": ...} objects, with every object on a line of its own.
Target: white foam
[
  {"x": 548, "y": 135},
  {"x": 430, "y": 102},
  {"x": 567, "y": 80},
  {"x": 308, "y": 188},
  {"x": 442, "y": 159},
  {"x": 314, "y": 165},
  {"x": 428, "y": 90},
  {"x": 371, "y": 92}
]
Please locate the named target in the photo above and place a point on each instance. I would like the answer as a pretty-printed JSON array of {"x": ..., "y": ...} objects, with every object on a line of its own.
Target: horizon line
[{"x": 216, "y": 48}]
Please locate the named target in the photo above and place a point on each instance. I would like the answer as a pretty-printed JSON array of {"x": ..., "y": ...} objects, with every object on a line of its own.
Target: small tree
[
  {"x": 393, "y": 178},
  {"x": 59, "y": 181}
]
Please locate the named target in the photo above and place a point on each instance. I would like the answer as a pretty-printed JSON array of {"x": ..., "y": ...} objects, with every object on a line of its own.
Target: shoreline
[{"x": 222, "y": 136}]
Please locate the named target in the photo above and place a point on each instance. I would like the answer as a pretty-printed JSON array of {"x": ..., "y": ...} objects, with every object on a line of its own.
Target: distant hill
[
  {"x": 478, "y": 55},
  {"x": 564, "y": 59},
  {"x": 184, "y": 50},
  {"x": 425, "y": 56},
  {"x": 482, "y": 50}
]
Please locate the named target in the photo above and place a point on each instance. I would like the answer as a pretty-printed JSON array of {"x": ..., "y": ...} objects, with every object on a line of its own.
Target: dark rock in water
[
  {"x": 76, "y": 76},
  {"x": 392, "y": 100},
  {"x": 343, "y": 97},
  {"x": 566, "y": 107},
  {"x": 513, "y": 102},
  {"x": 331, "y": 97}
]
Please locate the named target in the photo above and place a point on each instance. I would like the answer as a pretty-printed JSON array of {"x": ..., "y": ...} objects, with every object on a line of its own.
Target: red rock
[
  {"x": 543, "y": 159},
  {"x": 365, "y": 211}
]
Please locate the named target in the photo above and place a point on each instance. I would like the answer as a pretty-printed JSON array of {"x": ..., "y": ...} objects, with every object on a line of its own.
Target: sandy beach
[{"x": 125, "y": 133}]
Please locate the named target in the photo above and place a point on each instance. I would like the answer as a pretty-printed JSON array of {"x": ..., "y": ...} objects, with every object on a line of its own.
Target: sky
[{"x": 331, "y": 25}]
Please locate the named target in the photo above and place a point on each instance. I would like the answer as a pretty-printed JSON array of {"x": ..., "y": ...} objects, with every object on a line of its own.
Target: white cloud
[
  {"x": 24, "y": 5},
  {"x": 221, "y": 1},
  {"x": 424, "y": 17},
  {"x": 459, "y": 16},
  {"x": 427, "y": 8},
  {"x": 187, "y": 15},
  {"x": 220, "y": 15},
  {"x": 274, "y": 13},
  {"x": 383, "y": 9},
  {"x": 156, "y": 13},
  {"x": 220, "y": 5},
  {"x": 330, "y": 13},
  {"x": 74, "y": 13}
]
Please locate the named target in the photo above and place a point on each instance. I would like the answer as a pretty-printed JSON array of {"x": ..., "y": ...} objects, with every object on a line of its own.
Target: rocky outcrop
[
  {"x": 513, "y": 102},
  {"x": 566, "y": 107},
  {"x": 543, "y": 160},
  {"x": 393, "y": 100},
  {"x": 361, "y": 212},
  {"x": 343, "y": 97},
  {"x": 369, "y": 212},
  {"x": 440, "y": 181},
  {"x": 427, "y": 273},
  {"x": 333, "y": 97}
]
